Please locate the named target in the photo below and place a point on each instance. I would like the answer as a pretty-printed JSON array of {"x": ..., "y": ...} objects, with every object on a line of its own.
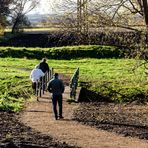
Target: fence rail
[
  {"x": 41, "y": 84},
  {"x": 74, "y": 84}
]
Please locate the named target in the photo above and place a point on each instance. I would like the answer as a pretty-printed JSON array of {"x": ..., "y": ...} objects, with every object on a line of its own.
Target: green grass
[
  {"x": 35, "y": 29},
  {"x": 112, "y": 78},
  {"x": 14, "y": 84},
  {"x": 8, "y": 103},
  {"x": 108, "y": 77}
]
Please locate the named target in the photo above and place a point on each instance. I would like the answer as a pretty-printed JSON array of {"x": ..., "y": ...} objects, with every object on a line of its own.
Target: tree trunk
[
  {"x": 145, "y": 10},
  {"x": 15, "y": 25}
]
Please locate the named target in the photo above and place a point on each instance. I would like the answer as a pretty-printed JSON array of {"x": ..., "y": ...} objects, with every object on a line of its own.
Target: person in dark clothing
[
  {"x": 43, "y": 66},
  {"x": 56, "y": 87},
  {"x": 45, "y": 69}
]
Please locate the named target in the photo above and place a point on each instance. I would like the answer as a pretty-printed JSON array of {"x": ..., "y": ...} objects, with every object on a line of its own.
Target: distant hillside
[{"x": 38, "y": 18}]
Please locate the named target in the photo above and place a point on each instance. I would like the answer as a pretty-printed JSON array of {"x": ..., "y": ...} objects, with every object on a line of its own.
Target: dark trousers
[
  {"x": 43, "y": 80},
  {"x": 34, "y": 87},
  {"x": 57, "y": 99}
]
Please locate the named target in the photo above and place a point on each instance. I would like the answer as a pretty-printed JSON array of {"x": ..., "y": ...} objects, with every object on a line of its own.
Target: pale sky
[
  {"x": 45, "y": 7},
  {"x": 42, "y": 8}
]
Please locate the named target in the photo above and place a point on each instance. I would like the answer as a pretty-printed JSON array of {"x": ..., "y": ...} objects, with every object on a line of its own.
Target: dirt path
[{"x": 38, "y": 115}]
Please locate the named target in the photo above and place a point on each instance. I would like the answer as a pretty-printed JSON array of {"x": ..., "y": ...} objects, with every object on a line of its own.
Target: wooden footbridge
[{"x": 69, "y": 78}]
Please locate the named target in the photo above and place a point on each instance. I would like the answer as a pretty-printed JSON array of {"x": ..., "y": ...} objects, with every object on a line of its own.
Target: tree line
[{"x": 80, "y": 14}]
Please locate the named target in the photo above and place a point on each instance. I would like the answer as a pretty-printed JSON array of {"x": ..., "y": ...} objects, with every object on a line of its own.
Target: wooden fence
[
  {"x": 41, "y": 84},
  {"x": 74, "y": 84}
]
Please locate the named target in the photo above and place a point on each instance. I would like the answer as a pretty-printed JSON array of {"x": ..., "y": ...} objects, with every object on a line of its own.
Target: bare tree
[
  {"x": 73, "y": 14},
  {"x": 4, "y": 12},
  {"x": 123, "y": 12},
  {"x": 19, "y": 9},
  {"x": 126, "y": 14}
]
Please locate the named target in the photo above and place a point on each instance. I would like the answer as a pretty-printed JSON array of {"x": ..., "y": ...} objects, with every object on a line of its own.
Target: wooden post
[
  {"x": 40, "y": 87},
  {"x": 43, "y": 83},
  {"x": 82, "y": 16},
  {"x": 37, "y": 89},
  {"x": 74, "y": 84},
  {"x": 46, "y": 77},
  {"x": 52, "y": 72}
]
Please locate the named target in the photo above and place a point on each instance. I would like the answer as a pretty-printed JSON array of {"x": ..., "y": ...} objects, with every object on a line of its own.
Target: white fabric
[{"x": 36, "y": 74}]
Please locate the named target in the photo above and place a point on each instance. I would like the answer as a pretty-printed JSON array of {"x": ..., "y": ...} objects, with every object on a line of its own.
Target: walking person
[
  {"x": 43, "y": 66},
  {"x": 35, "y": 76},
  {"x": 56, "y": 87},
  {"x": 45, "y": 69}
]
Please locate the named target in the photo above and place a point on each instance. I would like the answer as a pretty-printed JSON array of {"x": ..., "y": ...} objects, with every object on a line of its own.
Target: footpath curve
[{"x": 39, "y": 116}]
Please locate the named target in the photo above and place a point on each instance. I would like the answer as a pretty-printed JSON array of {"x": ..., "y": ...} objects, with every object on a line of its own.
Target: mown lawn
[{"x": 112, "y": 78}]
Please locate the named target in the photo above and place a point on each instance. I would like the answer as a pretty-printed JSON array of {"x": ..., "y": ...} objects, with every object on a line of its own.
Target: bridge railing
[
  {"x": 74, "y": 84},
  {"x": 41, "y": 85}
]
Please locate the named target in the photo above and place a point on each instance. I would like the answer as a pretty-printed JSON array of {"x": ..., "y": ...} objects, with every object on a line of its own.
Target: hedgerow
[{"x": 69, "y": 52}]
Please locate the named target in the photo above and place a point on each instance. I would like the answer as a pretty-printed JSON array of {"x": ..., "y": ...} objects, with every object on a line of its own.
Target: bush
[{"x": 65, "y": 52}]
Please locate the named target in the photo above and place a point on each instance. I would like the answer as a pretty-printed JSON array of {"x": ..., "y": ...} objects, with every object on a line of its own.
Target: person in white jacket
[{"x": 35, "y": 76}]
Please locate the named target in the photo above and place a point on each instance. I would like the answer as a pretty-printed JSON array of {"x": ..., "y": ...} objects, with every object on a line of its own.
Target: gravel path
[{"x": 38, "y": 115}]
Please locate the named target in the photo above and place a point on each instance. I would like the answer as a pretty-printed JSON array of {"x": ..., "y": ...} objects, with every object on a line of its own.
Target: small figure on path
[
  {"x": 56, "y": 87},
  {"x": 43, "y": 66},
  {"x": 45, "y": 69},
  {"x": 35, "y": 76}
]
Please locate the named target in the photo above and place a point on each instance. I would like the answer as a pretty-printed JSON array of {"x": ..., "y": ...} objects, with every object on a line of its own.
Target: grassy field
[
  {"x": 112, "y": 78},
  {"x": 39, "y": 29}
]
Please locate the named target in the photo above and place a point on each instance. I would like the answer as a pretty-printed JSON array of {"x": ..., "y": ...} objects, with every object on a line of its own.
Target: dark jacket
[
  {"x": 56, "y": 86},
  {"x": 44, "y": 67}
]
